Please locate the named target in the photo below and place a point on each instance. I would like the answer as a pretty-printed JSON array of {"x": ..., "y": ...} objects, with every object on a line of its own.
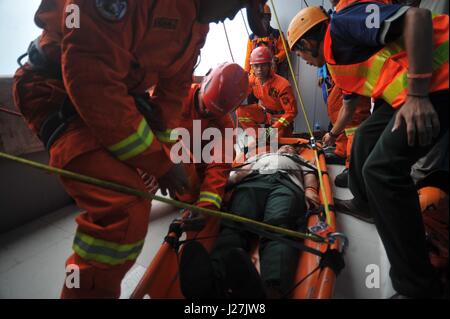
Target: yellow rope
[
  {"x": 131, "y": 191},
  {"x": 297, "y": 87}
]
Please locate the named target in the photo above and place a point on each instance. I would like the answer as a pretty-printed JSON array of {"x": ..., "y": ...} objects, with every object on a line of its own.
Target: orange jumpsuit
[
  {"x": 276, "y": 96},
  {"x": 362, "y": 112},
  {"x": 207, "y": 180},
  {"x": 118, "y": 51},
  {"x": 272, "y": 41}
]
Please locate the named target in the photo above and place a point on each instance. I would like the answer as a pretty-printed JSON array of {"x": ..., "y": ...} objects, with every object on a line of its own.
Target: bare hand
[
  {"x": 174, "y": 181},
  {"x": 420, "y": 118},
  {"x": 329, "y": 140}
]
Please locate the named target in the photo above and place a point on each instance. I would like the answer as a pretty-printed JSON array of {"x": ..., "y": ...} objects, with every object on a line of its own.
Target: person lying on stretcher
[{"x": 275, "y": 188}]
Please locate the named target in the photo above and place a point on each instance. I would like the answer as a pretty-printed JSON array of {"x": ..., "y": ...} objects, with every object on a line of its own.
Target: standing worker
[
  {"x": 344, "y": 126},
  {"x": 272, "y": 95},
  {"x": 272, "y": 41},
  {"x": 403, "y": 64},
  {"x": 83, "y": 91}
]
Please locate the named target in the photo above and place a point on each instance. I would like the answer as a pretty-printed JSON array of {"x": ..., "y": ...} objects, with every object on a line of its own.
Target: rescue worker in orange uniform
[
  {"x": 343, "y": 138},
  {"x": 207, "y": 107},
  {"x": 273, "y": 41},
  {"x": 403, "y": 65},
  {"x": 83, "y": 91},
  {"x": 271, "y": 95}
]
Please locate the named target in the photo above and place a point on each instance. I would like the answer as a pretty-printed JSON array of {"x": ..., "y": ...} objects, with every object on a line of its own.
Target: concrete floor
[{"x": 32, "y": 257}]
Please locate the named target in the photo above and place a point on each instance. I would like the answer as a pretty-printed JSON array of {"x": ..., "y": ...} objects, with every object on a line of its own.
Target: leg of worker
[
  {"x": 247, "y": 202},
  {"x": 284, "y": 208},
  {"x": 341, "y": 146},
  {"x": 364, "y": 140},
  {"x": 112, "y": 229},
  {"x": 395, "y": 205}
]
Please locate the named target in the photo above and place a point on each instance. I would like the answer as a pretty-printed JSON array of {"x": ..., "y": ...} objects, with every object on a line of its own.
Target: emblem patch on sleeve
[{"x": 112, "y": 10}]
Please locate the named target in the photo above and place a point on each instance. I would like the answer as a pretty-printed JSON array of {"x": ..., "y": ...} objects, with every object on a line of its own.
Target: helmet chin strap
[{"x": 315, "y": 50}]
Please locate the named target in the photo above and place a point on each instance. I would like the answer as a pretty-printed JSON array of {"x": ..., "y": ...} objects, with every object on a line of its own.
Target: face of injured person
[{"x": 287, "y": 149}]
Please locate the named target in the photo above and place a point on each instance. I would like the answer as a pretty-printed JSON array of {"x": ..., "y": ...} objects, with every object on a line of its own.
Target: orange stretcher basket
[{"x": 161, "y": 280}]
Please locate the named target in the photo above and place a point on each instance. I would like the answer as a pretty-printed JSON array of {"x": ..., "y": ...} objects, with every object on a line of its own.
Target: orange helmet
[
  {"x": 224, "y": 88},
  {"x": 261, "y": 55},
  {"x": 304, "y": 21}
]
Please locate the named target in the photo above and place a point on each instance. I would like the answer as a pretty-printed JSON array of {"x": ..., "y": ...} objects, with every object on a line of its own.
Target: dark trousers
[
  {"x": 379, "y": 177},
  {"x": 272, "y": 199}
]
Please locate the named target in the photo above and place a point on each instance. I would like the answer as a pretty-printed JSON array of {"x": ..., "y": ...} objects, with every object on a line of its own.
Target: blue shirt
[{"x": 352, "y": 40}]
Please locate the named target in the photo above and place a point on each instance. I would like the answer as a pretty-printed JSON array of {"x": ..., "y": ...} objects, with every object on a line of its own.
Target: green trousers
[{"x": 272, "y": 199}]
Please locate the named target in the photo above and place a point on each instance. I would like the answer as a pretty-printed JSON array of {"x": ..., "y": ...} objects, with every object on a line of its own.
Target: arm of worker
[
  {"x": 215, "y": 172},
  {"x": 218, "y": 168},
  {"x": 418, "y": 114},
  {"x": 289, "y": 104},
  {"x": 349, "y": 103},
  {"x": 96, "y": 58},
  {"x": 247, "y": 56},
  {"x": 281, "y": 52}
]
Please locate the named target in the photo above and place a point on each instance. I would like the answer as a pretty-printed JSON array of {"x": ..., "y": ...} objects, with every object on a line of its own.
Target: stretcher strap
[{"x": 292, "y": 243}]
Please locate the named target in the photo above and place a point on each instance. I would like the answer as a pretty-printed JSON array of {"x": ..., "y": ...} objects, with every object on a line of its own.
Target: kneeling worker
[
  {"x": 209, "y": 105},
  {"x": 271, "y": 94}
]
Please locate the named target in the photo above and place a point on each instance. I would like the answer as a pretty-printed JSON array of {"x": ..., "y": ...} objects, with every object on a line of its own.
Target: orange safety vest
[
  {"x": 345, "y": 3},
  {"x": 384, "y": 74}
]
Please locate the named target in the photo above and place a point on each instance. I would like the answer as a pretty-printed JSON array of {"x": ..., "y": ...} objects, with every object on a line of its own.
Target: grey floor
[{"x": 32, "y": 257}]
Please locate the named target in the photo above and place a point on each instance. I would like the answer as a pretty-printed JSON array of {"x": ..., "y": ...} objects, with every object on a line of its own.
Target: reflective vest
[
  {"x": 345, "y": 3},
  {"x": 384, "y": 74}
]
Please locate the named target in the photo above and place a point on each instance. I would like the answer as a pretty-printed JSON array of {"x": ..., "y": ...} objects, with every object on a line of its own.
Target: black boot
[
  {"x": 242, "y": 279},
  {"x": 197, "y": 279},
  {"x": 349, "y": 207},
  {"x": 342, "y": 179}
]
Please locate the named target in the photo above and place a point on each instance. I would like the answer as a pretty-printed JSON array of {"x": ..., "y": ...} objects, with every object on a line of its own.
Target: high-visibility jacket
[
  {"x": 251, "y": 116},
  {"x": 117, "y": 52},
  {"x": 207, "y": 180},
  {"x": 276, "y": 96},
  {"x": 345, "y": 3},
  {"x": 384, "y": 74},
  {"x": 273, "y": 41},
  {"x": 362, "y": 112}
]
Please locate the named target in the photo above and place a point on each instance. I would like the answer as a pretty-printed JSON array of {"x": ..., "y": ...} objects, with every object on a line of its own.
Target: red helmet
[
  {"x": 261, "y": 55},
  {"x": 224, "y": 88}
]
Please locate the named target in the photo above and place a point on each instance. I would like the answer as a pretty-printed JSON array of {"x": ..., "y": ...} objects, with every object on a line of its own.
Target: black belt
[
  {"x": 272, "y": 112},
  {"x": 56, "y": 123}
]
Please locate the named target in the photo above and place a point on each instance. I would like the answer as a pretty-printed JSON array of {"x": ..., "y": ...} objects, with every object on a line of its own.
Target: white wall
[{"x": 306, "y": 74}]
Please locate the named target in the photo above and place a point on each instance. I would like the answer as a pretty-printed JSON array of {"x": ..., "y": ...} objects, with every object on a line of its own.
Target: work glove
[{"x": 174, "y": 181}]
